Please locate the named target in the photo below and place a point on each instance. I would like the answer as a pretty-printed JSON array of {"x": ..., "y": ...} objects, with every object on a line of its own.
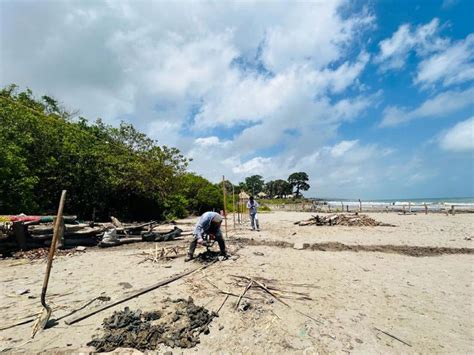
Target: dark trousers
[{"x": 219, "y": 240}]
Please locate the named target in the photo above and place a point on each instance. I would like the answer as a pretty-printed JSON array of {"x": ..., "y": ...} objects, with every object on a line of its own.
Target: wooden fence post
[{"x": 225, "y": 203}]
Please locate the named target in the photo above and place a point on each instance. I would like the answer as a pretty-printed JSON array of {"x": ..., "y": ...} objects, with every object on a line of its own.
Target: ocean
[{"x": 415, "y": 203}]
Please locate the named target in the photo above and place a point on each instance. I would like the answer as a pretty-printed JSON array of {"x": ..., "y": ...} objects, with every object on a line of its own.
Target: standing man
[
  {"x": 209, "y": 223},
  {"x": 252, "y": 206}
]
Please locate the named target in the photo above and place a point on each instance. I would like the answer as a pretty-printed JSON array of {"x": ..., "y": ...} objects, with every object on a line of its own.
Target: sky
[{"x": 372, "y": 99}]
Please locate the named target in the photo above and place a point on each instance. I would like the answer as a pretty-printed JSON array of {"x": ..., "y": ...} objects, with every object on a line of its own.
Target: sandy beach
[{"x": 344, "y": 289}]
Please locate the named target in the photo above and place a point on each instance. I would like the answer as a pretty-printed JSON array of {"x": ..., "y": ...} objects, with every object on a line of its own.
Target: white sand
[{"x": 425, "y": 301}]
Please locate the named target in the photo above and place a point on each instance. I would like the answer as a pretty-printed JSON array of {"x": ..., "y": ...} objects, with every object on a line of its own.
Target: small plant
[{"x": 264, "y": 208}]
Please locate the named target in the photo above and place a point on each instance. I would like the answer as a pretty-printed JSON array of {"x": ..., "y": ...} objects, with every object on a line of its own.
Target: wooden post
[
  {"x": 239, "y": 219},
  {"x": 347, "y": 208},
  {"x": 360, "y": 206},
  {"x": 452, "y": 210},
  {"x": 62, "y": 229},
  {"x": 233, "y": 204},
  {"x": 342, "y": 207},
  {"x": 426, "y": 208},
  {"x": 409, "y": 206},
  {"x": 225, "y": 204},
  {"x": 20, "y": 231}
]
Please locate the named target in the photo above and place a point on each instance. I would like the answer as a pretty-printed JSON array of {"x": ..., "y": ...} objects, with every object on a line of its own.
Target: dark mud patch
[
  {"x": 207, "y": 256},
  {"x": 409, "y": 250},
  {"x": 178, "y": 324},
  {"x": 393, "y": 249}
]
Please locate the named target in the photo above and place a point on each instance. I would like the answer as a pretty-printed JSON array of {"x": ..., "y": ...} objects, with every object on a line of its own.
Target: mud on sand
[
  {"x": 177, "y": 324},
  {"x": 409, "y": 250}
]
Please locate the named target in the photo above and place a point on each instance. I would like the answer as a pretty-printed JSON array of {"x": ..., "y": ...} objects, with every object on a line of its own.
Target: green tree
[
  {"x": 201, "y": 195},
  {"x": 112, "y": 170},
  {"x": 298, "y": 181},
  {"x": 282, "y": 188},
  {"x": 254, "y": 184},
  {"x": 269, "y": 189},
  {"x": 229, "y": 187}
]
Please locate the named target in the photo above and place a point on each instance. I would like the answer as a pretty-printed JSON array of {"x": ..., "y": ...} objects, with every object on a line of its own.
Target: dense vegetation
[{"x": 106, "y": 170}]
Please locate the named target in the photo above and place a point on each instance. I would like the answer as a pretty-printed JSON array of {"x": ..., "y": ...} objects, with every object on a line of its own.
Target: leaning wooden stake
[
  {"x": 225, "y": 203},
  {"x": 43, "y": 318},
  {"x": 243, "y": 294},
  {"x": 136, "y": 294},
  {"x": 233, "y": 204}
]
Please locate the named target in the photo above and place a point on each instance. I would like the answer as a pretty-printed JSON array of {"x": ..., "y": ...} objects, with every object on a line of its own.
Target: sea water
[{"x": 415, "y": 203}]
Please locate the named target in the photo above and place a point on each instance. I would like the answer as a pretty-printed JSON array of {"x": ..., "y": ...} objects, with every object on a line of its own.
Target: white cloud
[
  {"x": 199, "y": 67},
  {"x": 460, "y": 137},
  {"x": 208, "y": 141},
  {"x": 454, "y": 65},
  {"x": 314, "y": 34},
  {"x": 449, "y": 3},
  {"x": 423, "y": 40},
  {"x": 342, "y": 148},
  {"x": 441, "y": 105}
]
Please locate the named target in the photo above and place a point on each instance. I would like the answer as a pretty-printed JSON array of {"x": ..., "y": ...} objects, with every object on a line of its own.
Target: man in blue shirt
[{"x": 208, "y": 224}]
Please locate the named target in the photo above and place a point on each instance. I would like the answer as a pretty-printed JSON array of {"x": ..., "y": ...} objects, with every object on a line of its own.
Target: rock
[
  {"x": 298, "y": 246},
  {"x": 80, "y": 248},
  {"x": 22, "y": 291},
  {"x": 244, "y": 306}
]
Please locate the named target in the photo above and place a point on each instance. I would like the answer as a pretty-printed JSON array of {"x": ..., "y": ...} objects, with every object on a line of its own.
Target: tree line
[
  {"x": 279, "y": 188},
  {"x": 107, "y": 170}
]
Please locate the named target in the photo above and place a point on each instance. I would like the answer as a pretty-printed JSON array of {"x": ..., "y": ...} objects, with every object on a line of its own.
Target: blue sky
[{"x": 373, "y": 99}]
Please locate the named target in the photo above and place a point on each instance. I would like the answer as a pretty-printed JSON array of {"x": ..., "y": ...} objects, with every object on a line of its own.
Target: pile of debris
[
  {"x": 29, "y": 232},
  {"x": 352, "y": 220},
  {"x": 178, "y": 324},
  {"x": 163, "y": 254},
  {"x": 42, "y": 253}
]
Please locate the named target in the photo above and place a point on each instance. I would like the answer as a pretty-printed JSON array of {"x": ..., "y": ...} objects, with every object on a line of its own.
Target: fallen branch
[
  {"x": 243, "y": 294},
  {"x": 136, "y": 294},
  {"x": 222, "y": 305},
  {"x": 263, "y": 287},
  {"x": 392, "y": 336},
  {"x": 19, "y": 323}
]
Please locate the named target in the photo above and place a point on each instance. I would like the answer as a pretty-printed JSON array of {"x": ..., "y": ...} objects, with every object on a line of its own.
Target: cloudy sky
[{"x": 372, "y": 99}]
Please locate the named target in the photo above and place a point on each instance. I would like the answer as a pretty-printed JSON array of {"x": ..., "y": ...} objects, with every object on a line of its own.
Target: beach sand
[{"x": 338, "y": 300}]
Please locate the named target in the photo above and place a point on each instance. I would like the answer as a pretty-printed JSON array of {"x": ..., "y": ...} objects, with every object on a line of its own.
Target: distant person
[
  {"x": 252, "y": 205},
  {"x": 208, "y": 224}
]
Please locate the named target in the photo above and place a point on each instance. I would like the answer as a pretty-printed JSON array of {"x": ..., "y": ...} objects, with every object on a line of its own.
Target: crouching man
[{"x": 209, "y": 223}]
